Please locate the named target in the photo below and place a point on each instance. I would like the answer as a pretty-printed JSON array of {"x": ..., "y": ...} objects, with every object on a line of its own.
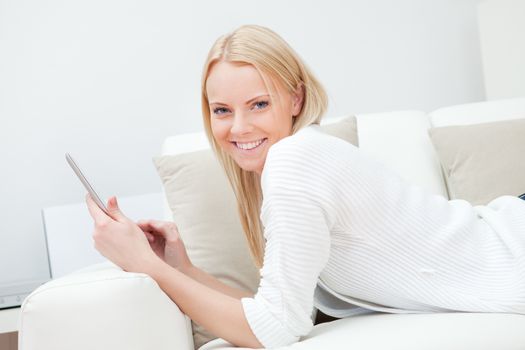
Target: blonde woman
[{"x": 322, "y": 220}]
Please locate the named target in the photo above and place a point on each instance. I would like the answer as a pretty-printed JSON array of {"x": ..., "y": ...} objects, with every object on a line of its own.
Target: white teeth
[{"x": 249, "y": 145}]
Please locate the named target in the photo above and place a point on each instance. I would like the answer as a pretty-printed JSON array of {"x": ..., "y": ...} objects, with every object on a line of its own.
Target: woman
[{"x": 331, "y": 216}]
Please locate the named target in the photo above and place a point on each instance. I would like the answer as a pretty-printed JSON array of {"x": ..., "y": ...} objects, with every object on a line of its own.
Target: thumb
[{"x": 114, "y": 210}]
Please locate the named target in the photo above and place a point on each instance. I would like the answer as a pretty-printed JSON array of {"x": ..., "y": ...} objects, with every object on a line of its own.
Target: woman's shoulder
[
  {"x": 303, "y": 167},
  {"x": 308, "y": 150},
  {"x": 311, "y": 140}
]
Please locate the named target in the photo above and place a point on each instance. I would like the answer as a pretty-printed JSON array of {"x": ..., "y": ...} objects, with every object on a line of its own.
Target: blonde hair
[{"x": 269, "y": 54}]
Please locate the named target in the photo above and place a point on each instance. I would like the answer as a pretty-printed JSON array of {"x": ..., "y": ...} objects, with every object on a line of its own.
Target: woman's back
[{"x": 380, "y": 239}]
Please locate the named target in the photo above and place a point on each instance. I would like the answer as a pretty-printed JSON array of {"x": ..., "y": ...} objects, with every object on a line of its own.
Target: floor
[{"x": 9, "y": 341}]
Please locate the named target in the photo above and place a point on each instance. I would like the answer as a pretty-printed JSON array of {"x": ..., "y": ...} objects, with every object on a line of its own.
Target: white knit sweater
[{"x": 347, "y": 235}]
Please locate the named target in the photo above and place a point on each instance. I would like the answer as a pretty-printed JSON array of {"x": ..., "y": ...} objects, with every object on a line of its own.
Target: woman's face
[{"x": 244, "y": 121}]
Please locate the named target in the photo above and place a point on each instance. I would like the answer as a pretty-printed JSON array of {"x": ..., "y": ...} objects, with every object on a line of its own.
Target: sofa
[{"x": 103, "y": 307}]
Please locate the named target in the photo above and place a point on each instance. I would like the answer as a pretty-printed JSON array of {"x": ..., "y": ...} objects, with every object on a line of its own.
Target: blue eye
[
  {"x": 218, "y": 110},
  {"x": 261, "y": 104}
]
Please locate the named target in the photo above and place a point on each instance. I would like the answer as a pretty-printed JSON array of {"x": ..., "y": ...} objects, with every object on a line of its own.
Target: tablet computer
[{"x": 86, "y": 183}]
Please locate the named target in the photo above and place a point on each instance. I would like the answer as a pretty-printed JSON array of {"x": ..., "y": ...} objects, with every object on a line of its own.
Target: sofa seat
[{"x": 437, "y": 331}]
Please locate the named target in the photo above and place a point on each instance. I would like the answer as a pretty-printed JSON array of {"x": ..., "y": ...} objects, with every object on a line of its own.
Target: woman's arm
[
  {"x": 205, "y": 278},
  {"x": 165, "y": 241},
  {"x": 217, "y": 312},
  {"x": 123, "y": 242}
]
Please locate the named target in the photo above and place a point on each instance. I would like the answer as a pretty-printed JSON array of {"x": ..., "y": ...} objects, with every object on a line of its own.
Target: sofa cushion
[
  {"x": 399, "y": 140},
  {"x": 482, "y": 161},
  {"x": 204, "y": 209}
]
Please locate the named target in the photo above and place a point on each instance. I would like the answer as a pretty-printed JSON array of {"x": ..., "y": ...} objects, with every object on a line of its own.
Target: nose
[{"x": 241, "y": 124}]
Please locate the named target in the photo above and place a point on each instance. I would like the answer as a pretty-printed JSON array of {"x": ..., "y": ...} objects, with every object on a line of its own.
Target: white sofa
[{"x": 103, "y": 307}]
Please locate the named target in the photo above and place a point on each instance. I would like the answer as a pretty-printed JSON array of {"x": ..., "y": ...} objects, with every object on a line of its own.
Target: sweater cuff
[{"x": 270, "y": 331}]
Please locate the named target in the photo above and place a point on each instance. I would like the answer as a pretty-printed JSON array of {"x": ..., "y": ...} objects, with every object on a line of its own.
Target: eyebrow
[{"x": 247, "y": 102}]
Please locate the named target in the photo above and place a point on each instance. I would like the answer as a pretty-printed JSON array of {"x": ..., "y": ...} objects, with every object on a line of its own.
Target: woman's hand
[
  {"x": 120, "y": 240},
  {"x": 165, "y": 241}
]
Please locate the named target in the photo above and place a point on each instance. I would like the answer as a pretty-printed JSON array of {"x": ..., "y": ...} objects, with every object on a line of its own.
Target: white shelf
[{"x": 9, "y": 320}]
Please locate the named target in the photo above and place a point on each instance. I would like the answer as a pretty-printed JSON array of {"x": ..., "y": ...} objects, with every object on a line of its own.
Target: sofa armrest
[{"x": 102, "y": 307}]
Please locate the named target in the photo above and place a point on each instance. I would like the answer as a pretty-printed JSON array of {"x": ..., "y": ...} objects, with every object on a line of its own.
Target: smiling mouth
[{"x": 248, "y": 146}]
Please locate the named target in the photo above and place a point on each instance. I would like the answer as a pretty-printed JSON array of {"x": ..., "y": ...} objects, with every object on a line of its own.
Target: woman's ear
[{"x": 297, "y": 100}]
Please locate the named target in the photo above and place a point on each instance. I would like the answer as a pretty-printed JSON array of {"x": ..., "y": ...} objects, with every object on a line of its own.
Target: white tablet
[{"x": 86, "y": 183}]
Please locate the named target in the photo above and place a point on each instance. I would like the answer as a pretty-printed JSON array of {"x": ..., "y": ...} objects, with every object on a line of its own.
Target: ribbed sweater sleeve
[{"x": 297, "y": 215}]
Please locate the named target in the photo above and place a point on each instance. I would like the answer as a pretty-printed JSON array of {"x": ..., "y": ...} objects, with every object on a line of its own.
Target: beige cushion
[
  {"x": 345, "y": 129},
  {"x": 204, "y": 210},
  {"x": 482, "y": 161}
]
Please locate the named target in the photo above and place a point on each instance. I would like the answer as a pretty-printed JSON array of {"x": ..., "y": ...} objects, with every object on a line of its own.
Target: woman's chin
[{"x": 250, "y": 166}]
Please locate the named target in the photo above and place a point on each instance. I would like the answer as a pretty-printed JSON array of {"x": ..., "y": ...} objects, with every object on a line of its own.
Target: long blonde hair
[{"x": 269, "y": 54}]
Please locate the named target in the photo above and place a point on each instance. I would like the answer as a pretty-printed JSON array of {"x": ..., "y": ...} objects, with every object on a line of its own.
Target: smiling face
[{"x": 245, "y": 119}]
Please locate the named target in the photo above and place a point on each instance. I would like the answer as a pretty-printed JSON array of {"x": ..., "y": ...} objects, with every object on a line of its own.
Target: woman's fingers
[
  {"x": 149, "y": 236},
  {"x": 114, "y": 210},
  {"x": 157, "y": 227},
  {"x": 96, "y": 213},
  {"x": 145, "y": 225}
]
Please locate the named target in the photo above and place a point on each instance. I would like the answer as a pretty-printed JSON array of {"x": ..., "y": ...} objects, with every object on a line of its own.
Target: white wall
[
  {"x": 109, "y": 80},
  {"x": 502, "y": 37}
]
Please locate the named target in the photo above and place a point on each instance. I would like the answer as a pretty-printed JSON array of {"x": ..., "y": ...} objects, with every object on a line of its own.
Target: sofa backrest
[
  {"x": 399, "y": 139},
  {"x": 479, "y": 112}
]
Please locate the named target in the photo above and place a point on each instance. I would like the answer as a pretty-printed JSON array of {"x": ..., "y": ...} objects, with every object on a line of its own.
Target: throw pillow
[
  {"x": 483, "y": 161},
  {"x": 204, "y": 209}
]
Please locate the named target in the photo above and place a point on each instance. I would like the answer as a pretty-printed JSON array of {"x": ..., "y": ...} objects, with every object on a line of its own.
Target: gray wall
[{"x": 109, "y": 80}]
